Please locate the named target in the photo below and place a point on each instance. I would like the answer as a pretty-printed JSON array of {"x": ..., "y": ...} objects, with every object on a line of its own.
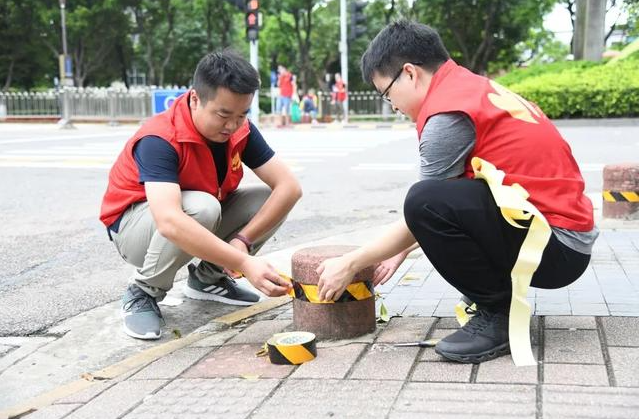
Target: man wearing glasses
[{"x": 451, "y": 215}]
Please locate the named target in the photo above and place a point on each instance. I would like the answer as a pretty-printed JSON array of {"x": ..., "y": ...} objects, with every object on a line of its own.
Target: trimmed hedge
[{"x": 580, "y": 89}]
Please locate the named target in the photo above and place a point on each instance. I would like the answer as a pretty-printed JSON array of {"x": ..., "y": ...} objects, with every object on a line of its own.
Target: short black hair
[
  {"x": 226, "y": 69},
  {"x": 403, "y": 41}
]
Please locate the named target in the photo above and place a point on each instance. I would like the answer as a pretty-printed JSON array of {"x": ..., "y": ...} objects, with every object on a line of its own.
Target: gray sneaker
[
  {"x": 142, "y": 316},
  {"x": 225, "y": 290}
]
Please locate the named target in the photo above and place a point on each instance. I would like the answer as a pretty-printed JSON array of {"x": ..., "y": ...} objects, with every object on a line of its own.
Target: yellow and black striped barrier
[
  {"x": 354, "y": 292},
  {"x": 621, "y": 196}
]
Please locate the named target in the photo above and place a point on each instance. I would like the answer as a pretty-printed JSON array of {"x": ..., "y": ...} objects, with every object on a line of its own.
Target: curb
[{"x": 142, "y": 358}]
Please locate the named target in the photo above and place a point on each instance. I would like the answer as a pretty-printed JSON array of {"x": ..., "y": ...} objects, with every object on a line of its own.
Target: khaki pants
[{"x": 157, "y": 260}]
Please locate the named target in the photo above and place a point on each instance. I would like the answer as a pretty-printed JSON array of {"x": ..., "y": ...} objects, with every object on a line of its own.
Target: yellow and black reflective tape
[
  {"x": 353, "y": 292},
  {"x": 291, "y": 348},
  {"x": 621, "y": 196}
]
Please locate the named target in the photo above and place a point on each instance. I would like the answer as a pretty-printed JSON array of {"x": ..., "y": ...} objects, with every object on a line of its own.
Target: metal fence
[{"x": 108, "y": 104}]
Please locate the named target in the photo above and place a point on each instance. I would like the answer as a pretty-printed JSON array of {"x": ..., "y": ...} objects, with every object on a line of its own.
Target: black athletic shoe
[
  {"x": 226, "y": 290},
  {"x": 483, "y": 338}
]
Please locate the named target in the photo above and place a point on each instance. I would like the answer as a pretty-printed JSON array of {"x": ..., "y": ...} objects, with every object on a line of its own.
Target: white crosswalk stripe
[{"x": 297, "y": 149}]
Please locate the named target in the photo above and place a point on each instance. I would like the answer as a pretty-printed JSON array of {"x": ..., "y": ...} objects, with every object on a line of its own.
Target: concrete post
[
  {"x": 621, "y": 191},
  {"x": 340, "y": 320}
]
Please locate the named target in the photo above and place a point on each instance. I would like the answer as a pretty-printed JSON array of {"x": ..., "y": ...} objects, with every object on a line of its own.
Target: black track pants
[{"x": 463, "y": 234}]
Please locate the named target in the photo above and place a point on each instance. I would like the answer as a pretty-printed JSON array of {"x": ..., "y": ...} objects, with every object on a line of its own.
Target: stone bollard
[
  {"x": 340, "y": 320},
  {"x": 621, "y": 191}
]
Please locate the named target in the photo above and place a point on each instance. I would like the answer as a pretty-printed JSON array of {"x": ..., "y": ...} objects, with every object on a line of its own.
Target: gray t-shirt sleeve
[{"x": 446, "y": 142}]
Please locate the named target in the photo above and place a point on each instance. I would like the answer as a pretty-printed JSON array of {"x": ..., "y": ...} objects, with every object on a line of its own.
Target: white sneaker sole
[
  {"x": 200, "y": 295},
  {"x": 148, "y": 336}
]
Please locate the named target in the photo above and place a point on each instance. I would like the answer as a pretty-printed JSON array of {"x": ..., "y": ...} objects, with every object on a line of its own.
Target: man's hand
[
  {"x": 335, "y": 275},
  {"x": 387, "y": 268},
  {"x": 239, "y": 245},
  {"x": 264, "y": 277}
]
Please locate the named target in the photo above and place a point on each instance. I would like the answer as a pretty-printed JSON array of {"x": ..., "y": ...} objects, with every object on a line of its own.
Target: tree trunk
[{"x": 7, "y": 80}]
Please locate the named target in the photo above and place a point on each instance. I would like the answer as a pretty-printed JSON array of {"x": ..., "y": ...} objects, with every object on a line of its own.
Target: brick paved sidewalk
[
  {"x": 588, "y": 369},
  {"x": 588, "y": 365}
]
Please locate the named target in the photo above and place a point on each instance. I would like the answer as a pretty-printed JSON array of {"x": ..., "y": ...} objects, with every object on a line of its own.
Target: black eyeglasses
[{"x": 384, "y": 94}]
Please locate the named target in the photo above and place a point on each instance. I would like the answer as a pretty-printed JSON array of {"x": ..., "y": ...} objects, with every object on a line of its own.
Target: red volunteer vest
[
  {"x": 196, "y": 170},
  {"x": 516, "y": 137}
]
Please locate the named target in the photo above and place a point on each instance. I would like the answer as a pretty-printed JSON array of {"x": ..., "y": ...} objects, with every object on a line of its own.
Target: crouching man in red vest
[
  {"x": 451, "y": 215},
  {"x": 174, "y": 194}
]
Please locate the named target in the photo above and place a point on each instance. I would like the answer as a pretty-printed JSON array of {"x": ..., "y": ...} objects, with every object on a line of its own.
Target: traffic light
[
  {"x": 252, "y": 19},
  {"x": 358, "y": 20},
  {"x": 237, "y": 3}
]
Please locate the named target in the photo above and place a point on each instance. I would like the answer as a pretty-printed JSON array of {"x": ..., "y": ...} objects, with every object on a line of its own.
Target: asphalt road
[{"x": 56, "y": 260}]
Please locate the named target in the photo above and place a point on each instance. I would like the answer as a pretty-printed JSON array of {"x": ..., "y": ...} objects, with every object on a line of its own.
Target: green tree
[
  {"x": 480, "y": 32},
  {"x": 97, "y": 38},
  {"x": 24, "y": 59}
]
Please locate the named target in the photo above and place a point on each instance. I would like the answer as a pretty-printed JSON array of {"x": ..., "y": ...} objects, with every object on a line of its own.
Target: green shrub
[
  {"x": 521, "y": 74},
  {"x": 583, "y": 90}
]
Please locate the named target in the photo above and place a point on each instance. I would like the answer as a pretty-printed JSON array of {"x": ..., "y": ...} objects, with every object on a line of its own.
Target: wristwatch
[{"x": 246, "y": 241}]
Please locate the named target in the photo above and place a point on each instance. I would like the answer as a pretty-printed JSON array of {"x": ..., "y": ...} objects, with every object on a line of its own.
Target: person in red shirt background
[
  {"x": 338, "y": 96},
  {"x": 285, "y": 82}
]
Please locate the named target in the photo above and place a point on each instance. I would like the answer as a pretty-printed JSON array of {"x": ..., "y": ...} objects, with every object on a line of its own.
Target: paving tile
[
  {"x": 333, "y": 362},
  {"x": 260, "y": 331},
  {"x": 56, "y": 411},
  {"x": 117, "y": 400},
  {"x": 402, "y": 329},
  {"x": 586, "y": 375},
  {"x": 444, "y": 372},
  {"x": 173, "y": 364},
  {"x": 621, "y": 331},
  {"x": 590, "y": 310},
  {"x": 448, "y": 323},
  {"x": 419, "y": 310},
  {"x": 503, "y": 370},
  {"x": 552, "y": 309},
  {"x": 205, "y": 398},
  {"x": 564, "y": 402},
  {"x": 570, "y": 322},
  {"x": 312, "y": 399},
  {"x": 217, "y": 339},
  {"x": 237, "y": 361},
  {"x": 429, "y": 354},
  {"x": 385, "y": 362},
  {"x": 572, "y": 347},
  {"x": 449, "y": 400},
  {"x": 623, "y": 309},
  {"x": 97, "y": 388},
  {"x": 625, "y": 364}
]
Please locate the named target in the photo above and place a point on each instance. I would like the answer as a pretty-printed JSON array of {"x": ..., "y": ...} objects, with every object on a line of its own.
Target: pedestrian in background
[
  {"x": 309, "y": 105},
  {"x": 338, "y": 97},
  {"x": 285, "y": 82}
]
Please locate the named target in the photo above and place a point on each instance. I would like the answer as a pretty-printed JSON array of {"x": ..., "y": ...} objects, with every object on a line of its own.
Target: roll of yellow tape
[{"x": 291, "y": 348}]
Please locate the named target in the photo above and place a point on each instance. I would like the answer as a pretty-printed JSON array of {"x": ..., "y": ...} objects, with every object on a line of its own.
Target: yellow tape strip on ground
[{"x": 512, "y": 201}]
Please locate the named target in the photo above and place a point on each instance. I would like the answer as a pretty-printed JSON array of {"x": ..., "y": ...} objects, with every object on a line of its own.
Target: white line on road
[
  {"x": 63, "y": 138},
  {"x": 385, "y": 166}
]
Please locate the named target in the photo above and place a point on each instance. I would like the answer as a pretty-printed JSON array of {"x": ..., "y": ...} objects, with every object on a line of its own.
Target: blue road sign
[{"x": 162, "y": 99}]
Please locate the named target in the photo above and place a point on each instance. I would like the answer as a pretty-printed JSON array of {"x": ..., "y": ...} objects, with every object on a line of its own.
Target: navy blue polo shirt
[{"x": 158, "y": 161}]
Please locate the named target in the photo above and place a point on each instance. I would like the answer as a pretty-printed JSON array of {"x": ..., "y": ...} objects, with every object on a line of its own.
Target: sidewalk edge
[{"x": 142, "y": 358}]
